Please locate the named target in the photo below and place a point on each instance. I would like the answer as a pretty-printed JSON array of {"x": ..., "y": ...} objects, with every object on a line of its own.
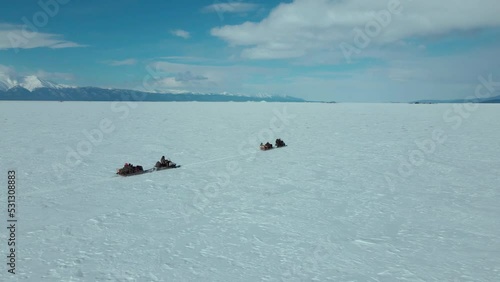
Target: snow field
[{"x": 333, "y": 205}]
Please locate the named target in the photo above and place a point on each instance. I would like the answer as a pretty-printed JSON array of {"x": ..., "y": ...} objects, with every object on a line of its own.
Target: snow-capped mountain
[
  {"x": 6, "y": 82},
  {"x": 30, "y": 82},
  {"x": 32, "y": 88},
  {"x": 21, "y": 93}
]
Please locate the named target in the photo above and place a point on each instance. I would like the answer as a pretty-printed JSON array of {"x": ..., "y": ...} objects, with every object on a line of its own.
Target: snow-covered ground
[{"x": 363, "y": 192}]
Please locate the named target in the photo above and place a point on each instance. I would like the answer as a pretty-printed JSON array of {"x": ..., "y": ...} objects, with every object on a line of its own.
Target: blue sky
[{"x": 357, "y": 50}]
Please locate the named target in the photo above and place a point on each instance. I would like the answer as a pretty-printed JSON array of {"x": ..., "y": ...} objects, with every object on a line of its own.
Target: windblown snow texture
[{"x": 349, "y": 199}]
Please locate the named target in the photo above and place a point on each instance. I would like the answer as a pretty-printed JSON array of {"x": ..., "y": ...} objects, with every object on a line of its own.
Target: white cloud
[
  {"x": 18, "y": 37},
  {"x": 405, "y": 76},
  {"x": 56, "y": 76},
  {"x": 304, "y": 27},
  {"x": 184, "y": 77},
  {"x": 189, "y": 76},
  {"x": 6, "y": 70},
  {"x": 169, "y": 82},
  {"x": 183, "y": 81},
  {"x": 169, "y": 76},
  {"x": 11, "y": 72},
  {"x": 188, "y": 59},
  {"x": 9, "y": 77},
  {"x": 230, "y": 7},
  {"x": 126, "y": 62},
  {"x": 180, "y": 33}
]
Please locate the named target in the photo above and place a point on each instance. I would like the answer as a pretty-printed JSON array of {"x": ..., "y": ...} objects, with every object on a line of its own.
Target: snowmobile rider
[
  {"x": 164, "y": 163},
  {"x": 280, "y": 143},
  {"x": 268, "y": 145}
]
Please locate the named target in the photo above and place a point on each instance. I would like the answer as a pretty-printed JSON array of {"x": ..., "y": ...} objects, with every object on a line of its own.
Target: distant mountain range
[
  {"x": 491, "y": 100},
  {"x": 32, "y": 88},
  {"x": 30, "y": 83}
]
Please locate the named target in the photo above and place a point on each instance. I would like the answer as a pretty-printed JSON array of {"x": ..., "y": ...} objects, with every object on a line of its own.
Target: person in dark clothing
[
  {"x": 124, "y": 170},
  {"x": 268, "y": 146},
  {"x": 164, "y": 163},
  {"x": 138, "y": 169},
  {"x": 280, "y": 143}
]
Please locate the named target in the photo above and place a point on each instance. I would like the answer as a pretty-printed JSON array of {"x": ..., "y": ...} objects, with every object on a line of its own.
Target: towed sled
[{"x": 264, "y": 148}]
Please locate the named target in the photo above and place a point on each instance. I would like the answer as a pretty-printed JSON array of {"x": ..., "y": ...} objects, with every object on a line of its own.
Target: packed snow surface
[{"x": 362, "y": 192}]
